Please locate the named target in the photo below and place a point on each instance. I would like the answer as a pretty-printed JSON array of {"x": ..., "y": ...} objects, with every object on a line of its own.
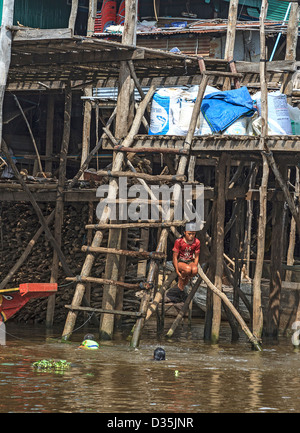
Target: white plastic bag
[
  {"x": 279, "y": 120},
  {"x": 165, "y": 110}
]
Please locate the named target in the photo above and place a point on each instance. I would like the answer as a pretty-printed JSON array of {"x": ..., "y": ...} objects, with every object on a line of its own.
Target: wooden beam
[
  {"x": 5, "y": 52},
  {"x": 73, "y": 15}
]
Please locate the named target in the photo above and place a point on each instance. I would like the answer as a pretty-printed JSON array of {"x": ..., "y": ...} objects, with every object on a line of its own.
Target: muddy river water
[{"x": 196, "y": 377}]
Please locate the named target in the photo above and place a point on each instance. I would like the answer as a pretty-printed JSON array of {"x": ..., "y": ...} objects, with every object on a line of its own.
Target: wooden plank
[
  {"x": 290, "y": 285},
  {"x": 219, "y": 143},
  {"x": 22, "y": 34}
]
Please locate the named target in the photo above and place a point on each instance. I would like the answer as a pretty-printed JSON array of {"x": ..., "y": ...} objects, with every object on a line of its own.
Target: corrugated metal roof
[
  {"x": 1, "y": 7},
  {"x": 276, "y": 9}
]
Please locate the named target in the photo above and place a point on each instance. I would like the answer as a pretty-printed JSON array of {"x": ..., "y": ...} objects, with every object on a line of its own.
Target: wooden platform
[{"x": 217, "y": 143}]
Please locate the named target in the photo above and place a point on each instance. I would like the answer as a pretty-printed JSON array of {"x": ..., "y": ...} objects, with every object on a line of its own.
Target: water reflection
[{"x": 211, "y": 378}]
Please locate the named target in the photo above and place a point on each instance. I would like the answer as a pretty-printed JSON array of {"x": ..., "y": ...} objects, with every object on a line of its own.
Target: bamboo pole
[
  {"x": 5, "y": 52},
  {"x": 59, "y": 208}
]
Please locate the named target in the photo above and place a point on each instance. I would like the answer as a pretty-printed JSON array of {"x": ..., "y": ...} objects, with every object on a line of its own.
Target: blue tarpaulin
[{"x": 221, "y": 109}]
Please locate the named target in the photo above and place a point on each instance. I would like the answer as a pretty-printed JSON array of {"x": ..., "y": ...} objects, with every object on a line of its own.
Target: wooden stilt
[
  {"x": 257, "y": 325},
  {"x": 59, "y": 208},
  {"x": 273, "y": 314},
  {"x": 49, "y": 132},
  {"x": 5, "y": 51},
  {"x": 220, "y": 210},
  {"x": 86, "y": 130}
]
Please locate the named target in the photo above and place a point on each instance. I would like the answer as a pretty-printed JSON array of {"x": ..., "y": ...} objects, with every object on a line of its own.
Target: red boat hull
[{"x": 12, "y": 302}]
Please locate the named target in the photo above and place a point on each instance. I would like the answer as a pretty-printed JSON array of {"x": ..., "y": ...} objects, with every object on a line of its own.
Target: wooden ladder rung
[
  {"x": 129, "y": 286},
  {"x": 151, "y": 150},
  {"x": 223, "y": 74},
  {"x": 149, "y": 177},
  {"x": 162, "y": 224},
  {"x": 105, "y": 311},
  {"x": 144, "y": 254}
]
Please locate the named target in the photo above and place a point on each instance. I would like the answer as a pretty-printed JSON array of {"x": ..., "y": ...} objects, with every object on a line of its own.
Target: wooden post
[
  {"x": 291, "y": 46},
  {"x": 230, "y": 38},
  {"x": 91, "y": 17},
  {"x": 59, "y": 208},
  {"x": 257, "y": 324},
  {"x": 86, "y": 130},
  {"x": 49, "y": 132},
  {"x": 73, "y": 15},
  {"x": 273, "y": 314},
  {"x": 123, "y": 116},
  {"x": 247, "y": 241},
  {"x": 5, "y": 52},
  {"x": 292, "y": 241},
  {"x": 220, "y": 210}
]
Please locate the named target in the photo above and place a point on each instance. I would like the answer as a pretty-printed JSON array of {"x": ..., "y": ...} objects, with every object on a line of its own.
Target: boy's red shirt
[{"x": 186, "y": 251}]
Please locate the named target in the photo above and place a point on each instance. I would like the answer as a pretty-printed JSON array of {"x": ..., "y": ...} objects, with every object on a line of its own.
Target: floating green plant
[{"x": 51, "y": 365}]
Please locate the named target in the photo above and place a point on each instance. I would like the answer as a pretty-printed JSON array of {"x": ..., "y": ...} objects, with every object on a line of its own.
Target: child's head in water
[{"x": 159, "y": 354}]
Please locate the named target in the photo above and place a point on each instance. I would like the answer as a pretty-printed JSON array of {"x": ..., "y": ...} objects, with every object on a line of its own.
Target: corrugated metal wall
[
  {"x": 42, "y": 14},
  {"x": 196, "y": 44}
]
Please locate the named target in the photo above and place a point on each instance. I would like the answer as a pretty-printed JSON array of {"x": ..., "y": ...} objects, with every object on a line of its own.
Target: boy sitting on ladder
[{"x": 186, "y": 253}]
